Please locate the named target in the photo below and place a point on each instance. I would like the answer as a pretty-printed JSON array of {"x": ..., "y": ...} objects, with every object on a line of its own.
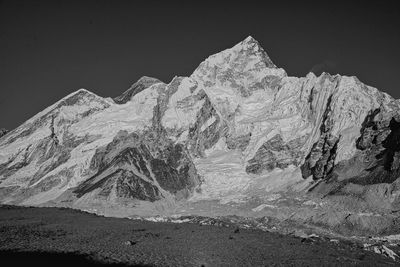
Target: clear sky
[{"x": 49, "y": 49}]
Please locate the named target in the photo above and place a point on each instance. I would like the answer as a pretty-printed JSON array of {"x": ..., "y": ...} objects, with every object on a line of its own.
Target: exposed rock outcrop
[
  {"x": 131, "y": 163},
  {"x": 321, "y": 159},
  {"x": 275, "y": 154},
  {"x": 3, "y": 132}
]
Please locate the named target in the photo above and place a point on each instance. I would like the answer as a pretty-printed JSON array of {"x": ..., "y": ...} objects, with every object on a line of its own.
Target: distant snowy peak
[
  {"x": 81, "y": 97},
  {"x": 81, "y": 102},
  {"x": 143, "y": 83},
  {"x": 55, "y": 119}
]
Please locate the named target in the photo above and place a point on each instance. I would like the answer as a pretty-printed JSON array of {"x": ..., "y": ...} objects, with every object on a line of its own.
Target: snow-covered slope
[{"x": 236, "y": 132}]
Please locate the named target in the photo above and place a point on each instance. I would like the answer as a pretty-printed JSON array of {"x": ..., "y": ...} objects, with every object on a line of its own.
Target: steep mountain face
[{"x": 238, "y": 134}]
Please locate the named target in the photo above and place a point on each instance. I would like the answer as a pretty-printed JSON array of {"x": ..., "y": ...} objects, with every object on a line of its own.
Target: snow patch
[{"x": 263, "y": 206}]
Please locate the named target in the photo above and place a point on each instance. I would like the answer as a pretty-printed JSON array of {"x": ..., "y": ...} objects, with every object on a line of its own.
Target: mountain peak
[
  {"x": 249, "y": 39},
  {"x": 253, "y": 47},
  {"x": 147, "y": 80},
  {"x": 246, "y": 59},
  {"x": 141, "y": 84},
  {"x": 78, "y": 95}
]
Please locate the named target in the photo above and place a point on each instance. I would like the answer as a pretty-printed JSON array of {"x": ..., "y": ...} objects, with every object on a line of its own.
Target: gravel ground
[{"x": 49, "y": 236}]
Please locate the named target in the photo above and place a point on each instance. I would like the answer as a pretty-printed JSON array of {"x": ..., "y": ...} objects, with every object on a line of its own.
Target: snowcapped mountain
[{"x": 239, "y": 136}]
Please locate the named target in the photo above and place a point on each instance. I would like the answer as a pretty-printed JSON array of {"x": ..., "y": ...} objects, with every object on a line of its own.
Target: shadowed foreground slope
[{"x": 64, "y": 236}]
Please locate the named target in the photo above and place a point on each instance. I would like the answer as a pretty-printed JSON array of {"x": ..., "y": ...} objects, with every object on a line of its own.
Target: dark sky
[{"x": 49, "y": 49}]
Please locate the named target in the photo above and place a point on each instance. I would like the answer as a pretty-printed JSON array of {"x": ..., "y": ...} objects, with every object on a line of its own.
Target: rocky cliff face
[
  {"x": 3, "y": 132},
  {"x": 236, "y": 131}
]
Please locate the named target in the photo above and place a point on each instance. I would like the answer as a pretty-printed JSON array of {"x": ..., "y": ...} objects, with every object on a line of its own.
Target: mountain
[{"x": 239, "y": 136}]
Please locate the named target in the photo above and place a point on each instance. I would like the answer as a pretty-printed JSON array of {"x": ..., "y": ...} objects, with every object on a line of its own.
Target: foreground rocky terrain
[
  {"x": 237, "y": 137},
  {"x": 53, "y": 236}
]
